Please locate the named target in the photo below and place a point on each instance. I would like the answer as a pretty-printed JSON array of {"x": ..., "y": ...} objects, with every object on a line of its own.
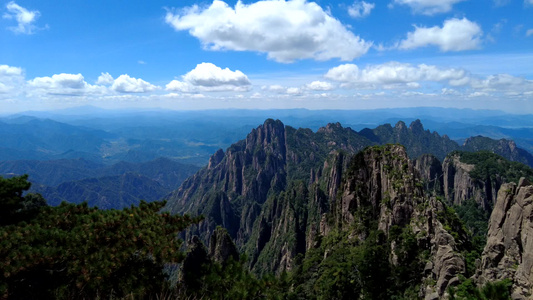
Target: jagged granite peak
[
  {"x": 384, "y": 184},
  {"x": 330, "y": 128},
  {"x": 400, "y": 125},
  {"x": 416, "y": 140},
  {"x": 508, "y": 253},
  {"x": 416, "y": 126},
  {"x": 215, "y": 159},
  {"x": 221, "y": 247},
  {"x": 281, "y": 190},
  {"x": 376, "y": 174}
]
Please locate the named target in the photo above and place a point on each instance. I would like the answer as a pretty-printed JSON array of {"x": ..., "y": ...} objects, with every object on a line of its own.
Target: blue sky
[{"x": 266, "y": 54}]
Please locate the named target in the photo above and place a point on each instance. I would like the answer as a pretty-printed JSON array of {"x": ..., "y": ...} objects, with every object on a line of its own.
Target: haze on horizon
[{"x": 266, "y": 54}]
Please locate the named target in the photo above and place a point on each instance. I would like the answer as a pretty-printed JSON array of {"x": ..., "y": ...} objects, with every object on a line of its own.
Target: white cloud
[
  {"x": 529, "y": 32},
  {"x": 285, "y": 30},
  {"x": 454, "y": 35},
  {"x": 7, "y": 71},
  {"x": 319, "y": 86},
  {"x": 294, "y": 91},
  {"x": 528, "y": 2},
  {"x": 208, "y": 77},
  {"x": 63, "y": 80},
  {"x": 502, "y": 82},
  {"x": 275, "y": 88},
  {"x": 105, "y": 79},
  {"x": 25, "y": 18},
  {"x": 429, "y": 7},
  {"x": 63, "y": 84},
  {"x": 360, "y": 9},
  {"x": 11, "y": 78},
  {"x": 392, "y": 75},
  {"x": 126, "y": 84},
  {"x": 179, "y": 86}
]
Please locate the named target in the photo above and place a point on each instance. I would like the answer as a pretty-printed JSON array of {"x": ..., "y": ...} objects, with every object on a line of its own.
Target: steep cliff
[
  {"x": 302, "y": 201},
  {"x": 430, "y": 169},
  {"x": 459, "y": 185},
  {"x": 382, "y": 191},
  {"x": 238, "y": 185},
  {"x": 509, "y": 250},
  {"x": 479, "y": 176}
]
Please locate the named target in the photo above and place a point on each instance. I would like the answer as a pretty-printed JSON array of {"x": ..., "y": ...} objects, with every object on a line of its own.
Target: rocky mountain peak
[
  {"x": 330, "y": 128},
  {"x": 416, "y": 126},
  {"x": 221, "y": 247},
  {"x": 270, "y": 136},
  {"x": 400, "y": 126},
  {"x": 215, "y": 159}
]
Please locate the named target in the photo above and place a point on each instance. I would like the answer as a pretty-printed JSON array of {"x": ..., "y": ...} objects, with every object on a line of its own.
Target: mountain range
[{"x": 299, "y": 201}]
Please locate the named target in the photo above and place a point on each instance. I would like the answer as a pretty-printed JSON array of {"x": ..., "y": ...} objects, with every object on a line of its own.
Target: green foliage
[
  {"x": 454, "y": 226},
  {"x": 467, "y": 290},
  {"x": 476, "y": 221},
  {"x": 74, "y": 251},
  {"x": 489, "y": 165},
  {"x": 11, "y": 199}
]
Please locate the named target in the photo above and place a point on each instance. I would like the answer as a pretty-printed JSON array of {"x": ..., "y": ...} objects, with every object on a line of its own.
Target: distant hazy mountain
[
  {"x": 105, "y": 192},
  {"x": 110, "y": 136}
]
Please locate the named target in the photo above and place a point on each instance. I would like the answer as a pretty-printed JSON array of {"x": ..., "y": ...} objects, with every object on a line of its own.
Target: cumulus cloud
[
  {"x": 179, "y": 86},
  {"x": 210, "y": 78},
  {"x": 294, "y": 91},
  {"x": 429, "y": 7},
  {"x": 285, "y": 30},
  {"x": 10, "y": 78},
  {"x": 454, "y": 35},
  {"x": 63, "y": 83},
  {"x": 25, "y": 19},
  {"x": 319, "y": 86},
  {"x": 392, "y": 75},
  {"x": 360, "y": 9},
  {"x": 209, "y": 75},
  {"x": 126, "y": 84},
  {"x": 105, "y": 79},
  {"x": 502, "y": 82}
]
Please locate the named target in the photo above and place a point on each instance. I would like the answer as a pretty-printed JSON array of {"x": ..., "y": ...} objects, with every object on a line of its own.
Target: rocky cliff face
[
  {"x": 509, "y": 250},
  {"x": 233, "y": 189},
  {"x": 430, "y": 169},
  {"x": 382, "y": 184},
  {"x": 459, "y": 186},
  {"x": 282, "y": 191}
]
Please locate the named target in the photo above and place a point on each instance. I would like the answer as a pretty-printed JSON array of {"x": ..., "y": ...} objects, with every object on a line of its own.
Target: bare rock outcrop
[
  {"x": 509, "y": 250},
  {"x": 459, "y": 186},
  {"x": 221, "y": 247},
  {"x": 430, "y": 169},
  {"x": 385, "y": 181}
]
